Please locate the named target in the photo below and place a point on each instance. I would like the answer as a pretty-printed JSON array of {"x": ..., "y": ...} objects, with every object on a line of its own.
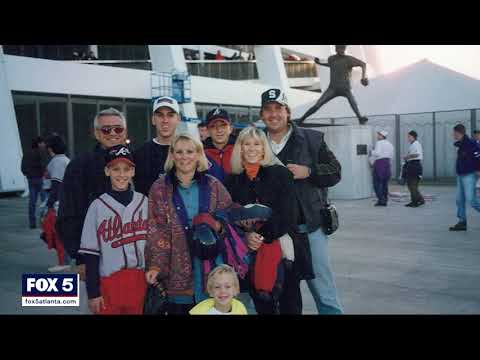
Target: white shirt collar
[
  {"x": 278, "y": 147},
  {"x": 156, "y": 142}
]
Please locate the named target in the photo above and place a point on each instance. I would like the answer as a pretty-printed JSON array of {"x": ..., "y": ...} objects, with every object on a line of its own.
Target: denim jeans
[
  {"x": 246, "y": 299},
  {"x": 466, "y": 194},
  {"x": 323, "y": 287},
  {"x": 34, "y": 190},
  {"x": 381, "y": 188},
  {"x": 67, "y": 259}
]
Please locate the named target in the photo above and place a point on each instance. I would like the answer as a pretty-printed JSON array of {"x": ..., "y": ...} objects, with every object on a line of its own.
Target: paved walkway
[{"x": 393, "y": 260}]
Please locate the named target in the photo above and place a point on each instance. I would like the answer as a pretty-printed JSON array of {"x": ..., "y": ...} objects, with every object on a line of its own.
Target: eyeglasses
[
  {"x": 107, "y": 130},
  {"x": 218, "y": 125}
]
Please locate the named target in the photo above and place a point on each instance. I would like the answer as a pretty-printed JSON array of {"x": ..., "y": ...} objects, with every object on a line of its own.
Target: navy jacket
[{"x": 468, "y": 156}]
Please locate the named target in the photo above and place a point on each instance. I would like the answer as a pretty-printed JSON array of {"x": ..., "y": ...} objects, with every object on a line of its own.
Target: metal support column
[
  {"x": 37, "y": 116},
  {"x": 149, "y": 123},
  {"x": 434, "y": 127},
  {"x": 70, "y": 132},
  {"x": 397, "y": 146},
  {"x": 124, "y": 109},
  {"x": 473, "y": 120}
]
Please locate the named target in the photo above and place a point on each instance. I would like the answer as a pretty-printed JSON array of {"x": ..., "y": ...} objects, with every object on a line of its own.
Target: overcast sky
[{"x": 461, "y": 58}]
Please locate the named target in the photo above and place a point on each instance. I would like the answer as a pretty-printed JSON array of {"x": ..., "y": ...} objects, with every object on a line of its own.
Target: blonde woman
[
  {"x": 257, "y": 179},
  {"x": 180, "y": 201}
]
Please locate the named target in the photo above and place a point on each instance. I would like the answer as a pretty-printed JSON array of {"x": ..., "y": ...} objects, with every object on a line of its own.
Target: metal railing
[
  {"x": 434, "y": 133},
  {"x": 220, "y": 69},
  {"x": 223, "y": 69},
  {"x": 129, "y": 64}
]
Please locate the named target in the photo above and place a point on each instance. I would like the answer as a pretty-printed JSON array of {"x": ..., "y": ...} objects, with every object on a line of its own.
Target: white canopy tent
[{"x": 420, "y": 87}]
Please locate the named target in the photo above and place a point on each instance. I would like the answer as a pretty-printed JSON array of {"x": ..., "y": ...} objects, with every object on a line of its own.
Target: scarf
[{"x": 252, "y": 170}]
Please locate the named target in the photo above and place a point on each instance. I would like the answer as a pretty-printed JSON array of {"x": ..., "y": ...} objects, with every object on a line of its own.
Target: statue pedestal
[{"x": 351, "y": 145}]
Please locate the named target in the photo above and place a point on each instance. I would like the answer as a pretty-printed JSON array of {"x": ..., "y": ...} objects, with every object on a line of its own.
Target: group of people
[
  {"x": 205, "y": 222},
  {"x": 164, "y": 215},
  {"x": 412, "y": 172},
  {"x": 90, "y": 55},
  {"x": 44, "y": 167},
  {"x": 237, "y": 55},
  {"x": 467, "y": 169}
]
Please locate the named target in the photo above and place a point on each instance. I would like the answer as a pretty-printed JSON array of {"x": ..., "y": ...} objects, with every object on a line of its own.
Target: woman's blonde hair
[
  {"x": 255, "y": 133},
  {"x": 219, "y": 270},
  {"x": 202, "y": 161}
]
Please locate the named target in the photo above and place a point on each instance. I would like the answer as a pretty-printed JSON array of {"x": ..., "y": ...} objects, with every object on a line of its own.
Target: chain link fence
[{"x": 434, "y": 133}]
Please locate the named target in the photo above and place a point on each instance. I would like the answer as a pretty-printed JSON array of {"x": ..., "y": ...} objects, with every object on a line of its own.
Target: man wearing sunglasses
[
  {"x": 150, "y": 158},
  {"x": 85, "y": 180}
]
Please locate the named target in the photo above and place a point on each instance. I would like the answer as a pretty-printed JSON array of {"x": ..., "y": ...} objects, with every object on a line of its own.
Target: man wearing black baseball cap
[
  {"x": 314, "y": 169},
  {"x": 219, "y": 146}
]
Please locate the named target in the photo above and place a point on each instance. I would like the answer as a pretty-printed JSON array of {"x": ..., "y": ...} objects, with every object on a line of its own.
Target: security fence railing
[
  {"x": 434, "y": 130},
  {"x": 223, "y": 69}
]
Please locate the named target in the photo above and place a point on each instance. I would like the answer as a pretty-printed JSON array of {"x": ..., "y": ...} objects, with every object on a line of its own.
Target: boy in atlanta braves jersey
[{"x": 113, "y": 241}]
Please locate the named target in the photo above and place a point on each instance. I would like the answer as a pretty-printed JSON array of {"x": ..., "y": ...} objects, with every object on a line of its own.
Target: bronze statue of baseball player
[{"x": 340, "y": 74}]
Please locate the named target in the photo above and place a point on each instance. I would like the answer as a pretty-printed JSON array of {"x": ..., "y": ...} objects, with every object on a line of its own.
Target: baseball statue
[{"x": 340, "y": 74}]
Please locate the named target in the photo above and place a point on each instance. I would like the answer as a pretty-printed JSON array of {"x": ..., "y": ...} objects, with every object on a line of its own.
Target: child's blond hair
[{"x": 219, "y": 270}]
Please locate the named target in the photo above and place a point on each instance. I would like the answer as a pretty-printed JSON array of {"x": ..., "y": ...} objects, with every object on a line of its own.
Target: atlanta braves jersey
[{"x": 116, "y": 233}]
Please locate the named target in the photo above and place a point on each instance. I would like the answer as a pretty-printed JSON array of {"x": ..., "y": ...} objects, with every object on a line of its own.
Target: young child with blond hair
[{"x": 222, "y": 286}]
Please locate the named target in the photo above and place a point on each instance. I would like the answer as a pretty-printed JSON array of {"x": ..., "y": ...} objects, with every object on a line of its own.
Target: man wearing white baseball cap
[
  {"x": 381, "y": 159},
  {"x": 150, "y": 158}
]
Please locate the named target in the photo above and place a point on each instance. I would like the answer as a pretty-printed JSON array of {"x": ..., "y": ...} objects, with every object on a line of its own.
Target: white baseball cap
[
  {"x": 383, "y": 133},
  {"x": 166, "y": 101}
]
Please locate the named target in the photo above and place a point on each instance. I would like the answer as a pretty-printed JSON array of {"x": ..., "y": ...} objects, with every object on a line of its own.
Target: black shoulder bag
[
  {"x": 155, "y": 300},
  {"x": 328, "y": 213}
]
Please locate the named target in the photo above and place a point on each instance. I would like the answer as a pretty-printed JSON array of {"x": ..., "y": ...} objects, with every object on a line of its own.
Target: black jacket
[
  {"x": 272, "y": 187},
  {"x": 34, "y": 163},
  {"x": 309, "y": 148},
  {"x": 149, "y": 165},
  {"x": 83, "y": 182}
]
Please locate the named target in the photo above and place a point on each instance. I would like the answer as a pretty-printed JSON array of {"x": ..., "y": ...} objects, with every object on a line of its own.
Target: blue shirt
[{"x": 190, "y": 198}]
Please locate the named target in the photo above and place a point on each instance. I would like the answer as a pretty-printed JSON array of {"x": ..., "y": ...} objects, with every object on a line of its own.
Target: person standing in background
[
  {"x": 468, "y": 163},
  {"x": 414, "y": 170},
  {"x": 380, "y": 159},
  {"x": 33, "y": 167},
  {"x": 56, "y": 167},
  {"x": 203, "y": 131}
]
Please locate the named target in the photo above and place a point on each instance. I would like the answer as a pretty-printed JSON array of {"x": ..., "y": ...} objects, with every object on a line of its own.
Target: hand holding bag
[{"x": 155, "y": 300}]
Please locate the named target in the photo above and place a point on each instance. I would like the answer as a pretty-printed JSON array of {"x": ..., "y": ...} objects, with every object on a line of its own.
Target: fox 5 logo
[{"x": 54, "y": 285}]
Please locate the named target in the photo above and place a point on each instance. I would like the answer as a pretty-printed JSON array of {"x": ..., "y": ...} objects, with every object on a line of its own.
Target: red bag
[
  {"x": 266, "y": 263},
  {"x": 51, "y": 237}
]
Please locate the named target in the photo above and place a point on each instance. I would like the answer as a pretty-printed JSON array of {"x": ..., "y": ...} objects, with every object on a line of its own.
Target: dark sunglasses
[{"x": 107, "y": 130}]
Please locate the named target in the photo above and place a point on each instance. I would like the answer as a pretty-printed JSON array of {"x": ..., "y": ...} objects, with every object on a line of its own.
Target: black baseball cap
[
  {"x": 217, "y": 114},
  {"x": 119, "y": 153},
  {"x": 274, "y": 95}
]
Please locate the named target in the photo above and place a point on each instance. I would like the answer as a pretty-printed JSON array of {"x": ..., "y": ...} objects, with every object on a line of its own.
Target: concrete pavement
[{"x": 392, "y": 260}]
